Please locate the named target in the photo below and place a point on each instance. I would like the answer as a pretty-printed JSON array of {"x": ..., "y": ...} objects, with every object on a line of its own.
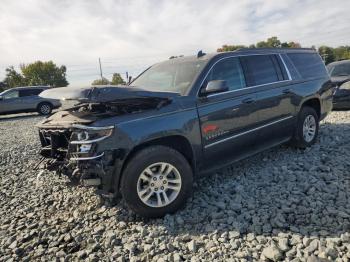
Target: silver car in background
[{"x": 26, "y": 99}]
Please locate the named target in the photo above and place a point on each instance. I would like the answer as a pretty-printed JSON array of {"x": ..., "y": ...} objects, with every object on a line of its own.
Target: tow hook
[
  {"x": 76, "y": 174},
  {"x": 91, "y": 182}
]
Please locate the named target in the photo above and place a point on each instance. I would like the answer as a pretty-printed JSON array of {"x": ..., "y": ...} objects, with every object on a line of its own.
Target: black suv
[
  {"x": 183, "y": 117},
  {"x": 340, "y": 77}
]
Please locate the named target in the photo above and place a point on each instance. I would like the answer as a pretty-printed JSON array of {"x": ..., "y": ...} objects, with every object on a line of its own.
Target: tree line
[
  {"x": 329, "y": 54},
  {"x": 49, "y": 74},
  {"x": 35, "y": 74},
  {"x": 116, "y": 80},
  {"x": 45, "y": 74}
]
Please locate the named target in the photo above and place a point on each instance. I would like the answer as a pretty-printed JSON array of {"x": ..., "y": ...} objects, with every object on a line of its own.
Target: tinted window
[
  {"x": 260, "y": 69},
  {"x": 308, "y": 64},
  {"x": 342, "y": 69},
  {"x": 29, "y": 92},
  {"x": 230, "y": 70}
]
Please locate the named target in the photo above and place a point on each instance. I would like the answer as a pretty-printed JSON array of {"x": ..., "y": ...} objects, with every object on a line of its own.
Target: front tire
[
  {"x": 306, "y": 131},
  {"x": 44, "y": 108},
  {"x": 156, "y": 181}
]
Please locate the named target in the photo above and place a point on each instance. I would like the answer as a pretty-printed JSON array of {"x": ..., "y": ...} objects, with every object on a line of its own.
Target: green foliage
[
  {"x": 44, "y": 73},
  {"x": 290, "y": 45},
  {"x": 37, "y": 73},
  {"x": 329, "y": 54},
  {"x": 2, "y": 86},
  {"x": 272, "y": 42},
  {"x": 103, "y": 81},
  {"x": 341, "y": 52},
  {"x": 13, "y": 78},
  {"x": 326, "y": 53},
  {"x": 117, "y": 79},
  {"x": 227, "y": 48}
]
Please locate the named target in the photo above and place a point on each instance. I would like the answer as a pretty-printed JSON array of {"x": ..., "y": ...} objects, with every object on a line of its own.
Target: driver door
[
  {"x": 11, "y": 102},
  {"x": 227, "y": 119}
]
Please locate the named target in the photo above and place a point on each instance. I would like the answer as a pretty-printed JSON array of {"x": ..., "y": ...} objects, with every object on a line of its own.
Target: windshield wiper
[{"x": 343, "y": 75}]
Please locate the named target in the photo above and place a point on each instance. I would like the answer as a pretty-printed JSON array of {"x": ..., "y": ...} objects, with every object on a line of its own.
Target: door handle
[
  {"x": 248, "y": 100},
  {"x": 287, "y": 91}
]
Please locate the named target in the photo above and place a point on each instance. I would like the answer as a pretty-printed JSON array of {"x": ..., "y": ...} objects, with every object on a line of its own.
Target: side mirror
[{"x": 215, "y": 86}]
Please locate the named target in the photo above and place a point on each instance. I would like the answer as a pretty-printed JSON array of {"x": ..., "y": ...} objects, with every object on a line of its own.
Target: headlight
[
  {"x": 87, "y": 135},
  {"x": 85, "y": 148},
  {"x": 345, "y": 85}
]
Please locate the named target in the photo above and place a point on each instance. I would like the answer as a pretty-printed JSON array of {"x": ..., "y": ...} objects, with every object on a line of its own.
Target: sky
[{"x": 132, "y": 35}]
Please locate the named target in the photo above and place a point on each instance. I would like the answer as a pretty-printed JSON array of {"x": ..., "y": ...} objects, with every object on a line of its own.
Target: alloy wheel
[
  {"x": 309, "y": 128},
  {"x": 159, "y": 184},
  {"x": 45, "y": 109}
]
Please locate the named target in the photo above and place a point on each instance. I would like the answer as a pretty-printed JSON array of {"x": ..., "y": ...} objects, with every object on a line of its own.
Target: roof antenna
[{"x": 200, "y": 54}]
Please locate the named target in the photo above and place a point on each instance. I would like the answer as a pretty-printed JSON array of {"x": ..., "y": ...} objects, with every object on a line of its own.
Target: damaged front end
[
  {"x": 78, "y": 143},
  {"x": 77, "y": 152}
]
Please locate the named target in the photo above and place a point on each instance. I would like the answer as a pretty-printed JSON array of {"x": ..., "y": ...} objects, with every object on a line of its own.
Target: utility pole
[{"x": 99, "y": 61}]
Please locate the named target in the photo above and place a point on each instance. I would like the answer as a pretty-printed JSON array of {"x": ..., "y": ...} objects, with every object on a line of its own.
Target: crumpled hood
[{"x": 100, "y": 94}]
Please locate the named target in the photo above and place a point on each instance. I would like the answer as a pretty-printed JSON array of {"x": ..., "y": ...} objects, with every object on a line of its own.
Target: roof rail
[{"x": 274, "y": 48}]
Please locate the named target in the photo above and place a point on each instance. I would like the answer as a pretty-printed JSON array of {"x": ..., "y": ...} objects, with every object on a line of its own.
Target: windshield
[
  {"x": 169, "y": 76},
  {"x": 4, "y": 92},
  {"x": 340, "y": 70},
  {"x": 9, "y": 94}
]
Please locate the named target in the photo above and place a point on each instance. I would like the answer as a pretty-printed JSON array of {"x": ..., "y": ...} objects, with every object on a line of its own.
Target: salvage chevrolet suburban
[{"x": 183, "y": 117}]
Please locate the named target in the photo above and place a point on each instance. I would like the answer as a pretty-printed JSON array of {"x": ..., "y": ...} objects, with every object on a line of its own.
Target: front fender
[{"x": 134, "y": 133}]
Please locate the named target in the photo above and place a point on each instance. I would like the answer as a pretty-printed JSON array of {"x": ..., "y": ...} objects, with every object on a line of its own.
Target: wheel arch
[
  {"x": 176, "y": 142},
  {"x": 314, "y": 103}
]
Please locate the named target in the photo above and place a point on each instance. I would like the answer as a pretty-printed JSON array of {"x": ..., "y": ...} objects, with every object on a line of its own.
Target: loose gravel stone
[
  {"x": 281, "y": 205},
  {"x": 272, "y": 252}
]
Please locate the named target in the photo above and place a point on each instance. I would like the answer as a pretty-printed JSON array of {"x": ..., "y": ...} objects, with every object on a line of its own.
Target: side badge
[
  {"x": 212, "y": 131},
  {"x": 209, "y": 128}
]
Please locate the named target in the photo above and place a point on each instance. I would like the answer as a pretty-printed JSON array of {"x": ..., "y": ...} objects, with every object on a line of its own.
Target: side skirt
[{"x": 241, "y": 157}]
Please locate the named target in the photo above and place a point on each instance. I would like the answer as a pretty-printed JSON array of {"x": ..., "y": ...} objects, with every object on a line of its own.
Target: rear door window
[
  {"x": 261, "y": 69},
  {"x": 230, "y": 70},
  {"x": 29, "y": 92},
  {"x": 309, "y": 65}
]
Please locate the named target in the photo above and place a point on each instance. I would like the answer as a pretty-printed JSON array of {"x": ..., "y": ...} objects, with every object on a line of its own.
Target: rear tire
[
  {"x": 156, "y": 181},
  {"x": 44, "y": 108},
  {"x": 306, "y": 131}
]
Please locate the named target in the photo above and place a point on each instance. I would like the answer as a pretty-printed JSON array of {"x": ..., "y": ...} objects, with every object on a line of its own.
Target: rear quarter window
[{"x": 309, "y": 65}]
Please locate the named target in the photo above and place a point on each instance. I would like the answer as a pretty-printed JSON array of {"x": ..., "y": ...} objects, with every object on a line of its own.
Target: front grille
[
  {"x": 55, "y": 143},
  {"x": 74, "y": 151}
]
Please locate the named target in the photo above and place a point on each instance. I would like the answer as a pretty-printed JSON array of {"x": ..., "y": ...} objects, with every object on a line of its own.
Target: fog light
[
  {"x": 83, "y": 135},
  {"x": 85, "y": 148}
]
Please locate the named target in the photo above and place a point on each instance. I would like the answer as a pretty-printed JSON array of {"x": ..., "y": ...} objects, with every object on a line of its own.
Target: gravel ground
[{"x": 283, "y": 204}]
